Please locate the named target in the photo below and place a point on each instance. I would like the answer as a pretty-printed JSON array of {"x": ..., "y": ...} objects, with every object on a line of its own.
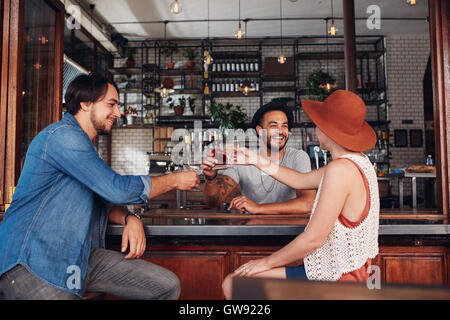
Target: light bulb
[
  {"x": 239, "y": 34},
  {"x": 175, "y": 7},
  {"x": 208, "y": 59},
  {"x": 281, "y": 58},
  {"x": 411, "y": 2},
  {"x": 333, "y": 30}
]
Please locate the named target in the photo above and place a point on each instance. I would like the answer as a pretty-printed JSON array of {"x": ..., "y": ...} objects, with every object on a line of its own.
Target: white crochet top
[{"x": 347, "y": 249}]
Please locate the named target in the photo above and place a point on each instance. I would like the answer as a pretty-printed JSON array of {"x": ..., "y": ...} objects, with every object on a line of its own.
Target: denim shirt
[{"x": 61, "y": 204}]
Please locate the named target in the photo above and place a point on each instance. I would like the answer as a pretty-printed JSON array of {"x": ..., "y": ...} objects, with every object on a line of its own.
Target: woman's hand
[
  {"x": 251, "y": 268},
  {"x": 244, "y": 156}
]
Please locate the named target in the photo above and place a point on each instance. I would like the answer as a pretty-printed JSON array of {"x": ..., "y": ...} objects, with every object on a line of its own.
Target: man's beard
[{"x": 99, "y": 126}]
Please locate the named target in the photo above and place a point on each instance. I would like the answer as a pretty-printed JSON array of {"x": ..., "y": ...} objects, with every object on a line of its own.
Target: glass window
[{"x": 39, "y": 69}]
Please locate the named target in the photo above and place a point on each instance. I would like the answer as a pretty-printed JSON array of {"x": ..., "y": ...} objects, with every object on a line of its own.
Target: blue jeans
[
  {"x": 107, "y": 272},
  {"x": 297, "y": 272}
]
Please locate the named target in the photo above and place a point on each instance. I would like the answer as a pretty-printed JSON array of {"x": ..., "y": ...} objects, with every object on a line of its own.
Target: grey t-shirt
[{"x": 262, "y": 188}]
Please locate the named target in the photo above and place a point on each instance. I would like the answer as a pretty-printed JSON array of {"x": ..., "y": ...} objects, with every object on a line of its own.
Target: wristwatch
[{"x": 132, "y": 214}]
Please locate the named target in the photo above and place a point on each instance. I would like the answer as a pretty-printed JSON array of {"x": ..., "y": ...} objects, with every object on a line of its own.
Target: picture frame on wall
[
  {"x": 400, "y": 138},
  {"x": 415, "y": 138}
]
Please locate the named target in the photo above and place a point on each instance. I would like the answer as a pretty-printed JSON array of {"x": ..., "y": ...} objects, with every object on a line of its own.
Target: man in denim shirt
[{"x": 52, "y": 236}]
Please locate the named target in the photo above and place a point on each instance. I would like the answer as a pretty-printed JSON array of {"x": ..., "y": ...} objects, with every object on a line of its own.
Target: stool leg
[
  {"x": 400, "y": 192},
  {"x": 414, "y": 192}
]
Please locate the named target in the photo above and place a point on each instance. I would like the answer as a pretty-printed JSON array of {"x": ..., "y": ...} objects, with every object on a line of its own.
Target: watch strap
[{"x": 131, "y": 214}]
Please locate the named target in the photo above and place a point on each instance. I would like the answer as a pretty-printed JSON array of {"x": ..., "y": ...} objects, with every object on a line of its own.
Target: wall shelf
[
  {"x": 125, "y": 71},
  {"x": 232, "y": 57}
]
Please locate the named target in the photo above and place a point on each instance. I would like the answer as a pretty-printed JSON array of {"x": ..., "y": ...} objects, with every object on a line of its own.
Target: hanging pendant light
[
  {"x": 246, "y": 86},
  {"x": 328, "y": 83},
  {"x": 239, "y": 33},
  {"x": 175, "y": 7},
  {"x": 207, "y": 58},
  {"x": 333, "y": 30},
  {"x": 411, "y": 2},
  {"x": 281, "y": 57},
  {"x": 164, "y": 90}
]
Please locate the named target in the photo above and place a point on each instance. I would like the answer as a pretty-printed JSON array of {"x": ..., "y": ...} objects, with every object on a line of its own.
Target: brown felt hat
[{"x": 342, "y": 118}]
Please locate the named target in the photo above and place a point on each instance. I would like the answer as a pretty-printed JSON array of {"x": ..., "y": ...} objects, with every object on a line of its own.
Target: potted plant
[
  {"x": 191, "y": 103},
  {"x": 131, "y": 114},
  {"x": 313, "y": 83},
  {"x": 179, "y": 109},
  {"x": 227, "y": 116},
  {"x": 129, "y": 52},
  {"x": 168, "y": 51},
  {"x": 191, "y": 54}
]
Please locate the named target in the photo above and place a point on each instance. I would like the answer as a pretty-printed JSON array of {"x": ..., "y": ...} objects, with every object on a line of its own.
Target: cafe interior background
[
  {"x": 214, "y": 63},
  {"x": 393, "y": 72}
]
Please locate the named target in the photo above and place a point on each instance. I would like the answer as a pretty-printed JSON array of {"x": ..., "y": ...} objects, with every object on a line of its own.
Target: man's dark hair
[
  {"x": 271, "y": 106},
  {"x": 86, "y": 88}
]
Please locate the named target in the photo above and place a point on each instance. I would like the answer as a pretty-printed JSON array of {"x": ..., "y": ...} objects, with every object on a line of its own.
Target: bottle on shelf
[
  {"x": 206, "y": 89},
  {"x": 256, "y": 67},
  {"x": 430, "y": 160}
]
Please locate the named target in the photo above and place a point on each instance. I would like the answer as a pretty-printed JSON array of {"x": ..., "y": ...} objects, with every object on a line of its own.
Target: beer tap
[{"x": 316, "y": 155}]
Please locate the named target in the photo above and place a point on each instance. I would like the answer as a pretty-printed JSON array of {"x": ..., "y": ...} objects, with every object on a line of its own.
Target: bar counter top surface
[{"x": 203, "y": 222}]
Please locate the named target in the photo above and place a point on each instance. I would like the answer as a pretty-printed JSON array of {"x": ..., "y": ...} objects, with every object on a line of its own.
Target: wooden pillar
[
  {"x": 11, "y": 93},
  {"x": 439, "y": 13},
  {"x": 349, "y": 44}
]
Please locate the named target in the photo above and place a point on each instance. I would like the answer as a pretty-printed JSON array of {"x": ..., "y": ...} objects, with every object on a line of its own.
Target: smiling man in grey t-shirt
[{"x": 261, "y": 193}]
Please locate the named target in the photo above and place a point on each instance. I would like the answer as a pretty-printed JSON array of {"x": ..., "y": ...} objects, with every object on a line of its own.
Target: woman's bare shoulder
[{"x": 342, "y": 169}]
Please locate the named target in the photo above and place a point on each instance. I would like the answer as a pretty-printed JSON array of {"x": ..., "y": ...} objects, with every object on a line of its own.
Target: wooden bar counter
[{"x": 203, "y": 246}]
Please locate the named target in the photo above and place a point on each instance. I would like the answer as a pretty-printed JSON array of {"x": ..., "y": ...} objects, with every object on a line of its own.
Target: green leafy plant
[
  {"x": 182, "y": 101},
  {"x": 227, "y": 116},
  {"x": 191, "y": 103},
  {"x": 314, "y": 81},
  {"x": 129, "y": 52},
  {"x": 170, "y": 49},
  {"x": 171, "y": 102},
  {"x": 190, "y": 53}
]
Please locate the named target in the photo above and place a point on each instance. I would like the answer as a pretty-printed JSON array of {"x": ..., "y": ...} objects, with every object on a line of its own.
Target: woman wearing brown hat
[{"x": 341, "y": 237}]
